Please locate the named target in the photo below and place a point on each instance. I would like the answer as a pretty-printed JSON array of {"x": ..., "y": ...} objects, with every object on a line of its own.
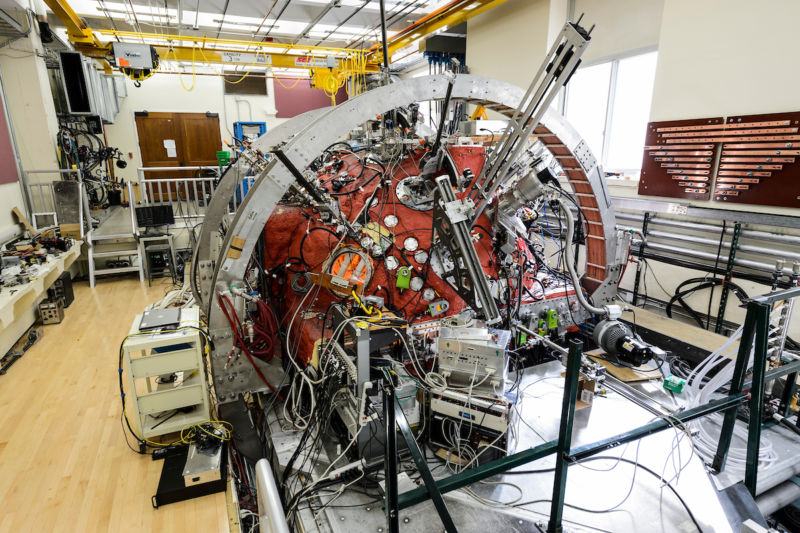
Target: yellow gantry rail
[
  {"x": 446, "y": 16},
  {"x": 270, "y": 54},
  {"x": 250, "y": 53}
]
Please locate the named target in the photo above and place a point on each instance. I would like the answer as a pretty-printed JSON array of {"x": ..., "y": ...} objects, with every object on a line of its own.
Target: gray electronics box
[
  {"x": 132, "y": 55},
  {"x": 465, "y": 354},
  {"x": 202, "y": 466},
  {"x": 51, "y": 311}
]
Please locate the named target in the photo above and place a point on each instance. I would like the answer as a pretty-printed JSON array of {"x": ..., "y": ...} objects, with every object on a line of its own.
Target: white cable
[{"x": 698, "y": 393}]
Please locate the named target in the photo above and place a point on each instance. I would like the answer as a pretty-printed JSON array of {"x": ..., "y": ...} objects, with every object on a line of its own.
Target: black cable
[
  {"x": 638, "y": 465},
  {"x": 303, "y": 240}
]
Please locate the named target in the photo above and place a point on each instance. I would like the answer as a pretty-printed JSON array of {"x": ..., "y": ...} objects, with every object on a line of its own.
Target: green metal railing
[{"x": 754, "y": 338}]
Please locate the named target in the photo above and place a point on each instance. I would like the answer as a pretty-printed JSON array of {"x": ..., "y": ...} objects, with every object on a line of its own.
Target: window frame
[{"x": 614, "y": 59}]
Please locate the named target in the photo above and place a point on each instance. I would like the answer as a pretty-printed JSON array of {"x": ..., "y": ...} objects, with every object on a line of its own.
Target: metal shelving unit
[{"x": 158, "y": 405}]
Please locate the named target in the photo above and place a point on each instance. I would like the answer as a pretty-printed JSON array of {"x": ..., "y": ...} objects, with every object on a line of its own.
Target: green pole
[{"x": 565, "y": 434}]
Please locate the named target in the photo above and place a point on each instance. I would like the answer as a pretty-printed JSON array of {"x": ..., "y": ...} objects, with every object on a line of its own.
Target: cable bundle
[
  {"x": 699, "y": 393},
  {"x": 239, "y": 342},
  {"x": 265, "y": 328}
]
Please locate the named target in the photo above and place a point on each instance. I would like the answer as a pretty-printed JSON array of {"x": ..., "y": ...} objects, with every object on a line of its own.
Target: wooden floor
[{"x": 64, "y": 465}]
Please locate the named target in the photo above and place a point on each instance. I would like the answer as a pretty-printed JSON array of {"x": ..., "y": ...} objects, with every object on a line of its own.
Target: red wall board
[
  {"x": 763, "y": 170},
  {"x": 674, "y": 168},
  {"x": 293, "y": 97},
  {"x": 8, "y": 163}
]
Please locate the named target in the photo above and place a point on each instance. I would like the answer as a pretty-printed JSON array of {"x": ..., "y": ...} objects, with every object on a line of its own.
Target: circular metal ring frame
[{"x": 307, "y": 135}]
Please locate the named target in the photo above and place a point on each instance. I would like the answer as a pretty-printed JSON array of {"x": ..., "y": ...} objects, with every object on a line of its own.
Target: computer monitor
[{"x": 154, "y": 215}]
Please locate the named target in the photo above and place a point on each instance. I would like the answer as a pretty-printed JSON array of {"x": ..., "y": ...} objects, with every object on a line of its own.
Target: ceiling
[{"x": 337, "y": 23}]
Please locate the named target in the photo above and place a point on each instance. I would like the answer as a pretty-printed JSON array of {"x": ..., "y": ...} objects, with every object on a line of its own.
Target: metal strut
[
  {"x": 394, "y": 417},
  {"x": 555, "y": 72},
  {"x": 565, "y": 435},
  {"x": 451, "y": 221},
  {"x": 723, "y": 299},
  {"x": 639, "y": 266}
]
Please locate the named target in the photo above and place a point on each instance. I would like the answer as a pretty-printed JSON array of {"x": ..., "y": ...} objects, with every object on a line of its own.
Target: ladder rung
[
  {"x": 121, "y": 270},
  {"x": 113, "y": 236},
  {"x": 115, "y": 253}
]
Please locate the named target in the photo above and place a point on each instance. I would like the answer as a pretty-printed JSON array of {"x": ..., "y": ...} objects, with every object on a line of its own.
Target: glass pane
[
  {"x": 587, "y": 100},
  {"x": 631, "y": 111}
]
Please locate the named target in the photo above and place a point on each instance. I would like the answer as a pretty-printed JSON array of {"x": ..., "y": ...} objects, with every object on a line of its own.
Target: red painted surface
[
  {"x": 286, "y": 227},
  {"x": 293, "y": 99},
  {"x": 8, "y": 164}
]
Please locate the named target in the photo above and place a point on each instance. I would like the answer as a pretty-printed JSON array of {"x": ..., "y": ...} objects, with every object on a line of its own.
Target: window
[
  {"x": 251, "y": 85},
  {"x": 609, "y": 105}
]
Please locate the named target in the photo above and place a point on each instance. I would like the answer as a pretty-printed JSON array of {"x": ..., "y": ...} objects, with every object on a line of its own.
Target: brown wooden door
[{"x": 177, "y": 140}]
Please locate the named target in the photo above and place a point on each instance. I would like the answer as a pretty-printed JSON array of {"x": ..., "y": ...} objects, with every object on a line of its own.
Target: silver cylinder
[
  {"x": 527, "y": 189},
  {"x": 709, "y": 228},
  {"x": 781, "y": 254},
  {"x": 271, "y": 518},
  {"x": 778, "y": 497},
  {"x": 699, "y": 254}
]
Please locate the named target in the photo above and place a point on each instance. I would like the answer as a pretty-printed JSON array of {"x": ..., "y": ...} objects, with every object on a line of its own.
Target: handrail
[{"x": 164, "y": 169}]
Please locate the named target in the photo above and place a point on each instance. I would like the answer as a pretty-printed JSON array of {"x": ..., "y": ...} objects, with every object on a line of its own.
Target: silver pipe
[
  {"x": 699, "y": 254},
  {"x": 749, "y": 233},
  {"x": 777, "y": 497},
  {"x": 271, "y": 517},
  {"x": 548, "y": 342},
  {"x": 569, "y": 259},
  {"x": 781, "y": 254}
]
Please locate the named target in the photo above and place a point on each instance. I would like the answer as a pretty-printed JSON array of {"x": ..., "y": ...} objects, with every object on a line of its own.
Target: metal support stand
[
  {"x": 756, "y": 329},
  {"x": 723, "y": 299},
  {"x": 565, "y": 435},
  {"x": 451, "y": 221},
  {"x": 788, "y": 393},
  {"x": 737, "y": 384},
  {"x": 639, "y": 267},
  {"x": 391, "y": 410},
  {"x": 757, "y": 397},
  {"x": 390, "y": 461}
]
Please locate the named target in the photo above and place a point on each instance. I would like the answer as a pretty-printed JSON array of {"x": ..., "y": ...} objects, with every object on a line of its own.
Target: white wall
[
  {"x": 720, "y": 58},
  {"x": 727, "y": 57},
  {"x": 715, "y": 59},
  {"x": 32, "y": 114},
  {"x": 509, "y": 42},
  {"x": 164, "y": 92},
  {"x": 621, "y": 26}
]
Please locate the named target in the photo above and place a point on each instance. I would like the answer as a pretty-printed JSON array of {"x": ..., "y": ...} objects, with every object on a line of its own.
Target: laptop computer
[{"x": 160, "y": 319}]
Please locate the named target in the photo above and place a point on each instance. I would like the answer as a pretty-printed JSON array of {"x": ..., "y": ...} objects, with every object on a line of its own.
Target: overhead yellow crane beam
[
  {"x": 81, "y": 36},
  {"x": 236, "y": 52},
  {"x": 238, "y": 57},
  {"x": 448, "y": 16}
]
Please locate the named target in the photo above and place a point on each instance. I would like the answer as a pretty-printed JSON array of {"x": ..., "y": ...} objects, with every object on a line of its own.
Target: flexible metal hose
[{"x": 569, "y": 259}]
